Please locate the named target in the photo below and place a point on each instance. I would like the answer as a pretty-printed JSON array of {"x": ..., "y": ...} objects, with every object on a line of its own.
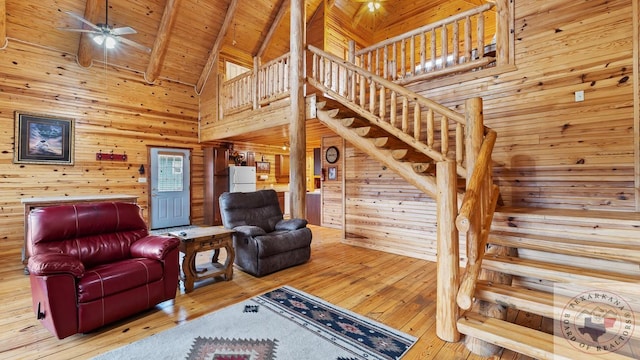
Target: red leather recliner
[{"x": 93, "y": 264}]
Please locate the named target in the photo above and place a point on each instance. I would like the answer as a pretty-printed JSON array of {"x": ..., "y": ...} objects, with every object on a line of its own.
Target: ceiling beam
[
  {"x": 284, "y": 7},
  {"x": 3, "y": 23},
  {"x": 213, "y": 54},
  {"x": 85, "y": 48},
  {"x": 162, "y": 40}
]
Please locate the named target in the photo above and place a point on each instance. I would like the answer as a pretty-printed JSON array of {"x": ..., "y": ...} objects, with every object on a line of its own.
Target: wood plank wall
[
  {"x": 551, "y": 151},
  {"x": 114, "y": 109},
  {"x": 332, "y": 194}
]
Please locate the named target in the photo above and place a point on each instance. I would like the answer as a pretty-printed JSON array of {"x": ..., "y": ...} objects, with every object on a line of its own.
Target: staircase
[
  {"x": 562, "y": 257},
  {"x": 533, "y": 261}
]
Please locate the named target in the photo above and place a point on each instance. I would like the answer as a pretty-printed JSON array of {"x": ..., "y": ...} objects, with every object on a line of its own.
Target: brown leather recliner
[
  {"x": 264, "y": 242},
  {"x": 93, "y": 264}
]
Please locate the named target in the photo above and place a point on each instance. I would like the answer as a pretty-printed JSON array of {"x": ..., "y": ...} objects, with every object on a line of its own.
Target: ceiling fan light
[
  {"x": 99, "y": 39},
  {"x": 371, "y": 6},
  {"x": 110, "y": 42}
]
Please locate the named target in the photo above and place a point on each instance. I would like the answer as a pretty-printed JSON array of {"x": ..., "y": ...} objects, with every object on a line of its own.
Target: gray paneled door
[{"x": 170, "y": 187}]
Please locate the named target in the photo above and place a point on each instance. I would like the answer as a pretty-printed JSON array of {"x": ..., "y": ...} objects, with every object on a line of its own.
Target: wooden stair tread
[
  {"x": 557, "y": 272},
  {"x": 533, "y": 301},
  {"x": 564, "y": 274},
  {"x": 524, "y": 340},
  {"x": 553, "y": 306},
  {"x": 592, "y": 249},
  {"x": 632, "y": 218}
]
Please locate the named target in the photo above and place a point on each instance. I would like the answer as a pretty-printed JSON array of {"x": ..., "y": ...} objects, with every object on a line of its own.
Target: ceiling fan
[{"x": 105, "y": 34}]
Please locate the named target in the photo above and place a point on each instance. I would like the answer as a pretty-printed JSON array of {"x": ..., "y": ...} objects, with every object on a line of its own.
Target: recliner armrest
[
  {"x": 154, "y": 247},
  {"x": 291, "y": 224},
  {"x": 55, "y": 263},
  {"x": 250, "y": 230}
]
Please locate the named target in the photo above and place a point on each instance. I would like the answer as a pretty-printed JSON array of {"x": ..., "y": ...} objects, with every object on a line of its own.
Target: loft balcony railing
[
  {"x": 464, "y": 42},
  {"x": 248, "y": 91}
]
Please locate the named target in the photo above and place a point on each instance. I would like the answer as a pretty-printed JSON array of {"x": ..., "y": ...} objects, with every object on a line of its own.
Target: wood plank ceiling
[{"x": 186, "y": 37}]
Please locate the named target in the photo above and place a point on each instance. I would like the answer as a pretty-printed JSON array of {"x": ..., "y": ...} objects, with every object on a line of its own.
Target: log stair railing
[{"x": 411, "y": 135}]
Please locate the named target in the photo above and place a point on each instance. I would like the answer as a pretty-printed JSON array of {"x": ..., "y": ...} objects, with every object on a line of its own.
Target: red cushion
[{"x": 108, "y": 279}]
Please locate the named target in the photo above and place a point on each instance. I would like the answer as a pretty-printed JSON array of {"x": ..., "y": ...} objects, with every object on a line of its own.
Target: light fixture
[
  {"x": 373, "y": 6},
  {"x": 234, "y": 42},
  {"x": 108, "y": 41}
]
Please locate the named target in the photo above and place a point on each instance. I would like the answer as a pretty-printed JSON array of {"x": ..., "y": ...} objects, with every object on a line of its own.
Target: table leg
[
  {"x": 189, "y": 269},
  {"x": 215, "y": 256},
  {"x": 231, "y": 254}
]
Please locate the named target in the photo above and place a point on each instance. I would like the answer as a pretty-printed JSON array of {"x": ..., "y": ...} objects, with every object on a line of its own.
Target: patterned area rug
[{"x": 284, "y": 324}]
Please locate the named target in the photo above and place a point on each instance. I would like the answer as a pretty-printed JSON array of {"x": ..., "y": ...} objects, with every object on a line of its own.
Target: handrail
[
  {"x": 480, "y": 172},
  {"x": 475, "y": 218},
  {"x": 420, "y": 122}
]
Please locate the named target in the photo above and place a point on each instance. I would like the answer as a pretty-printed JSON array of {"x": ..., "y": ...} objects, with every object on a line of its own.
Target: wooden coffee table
[{"x": 200, "y": 239}]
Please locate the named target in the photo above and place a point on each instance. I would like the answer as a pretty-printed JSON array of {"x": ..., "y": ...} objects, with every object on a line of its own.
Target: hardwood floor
[{"x": 395, "y": 290}]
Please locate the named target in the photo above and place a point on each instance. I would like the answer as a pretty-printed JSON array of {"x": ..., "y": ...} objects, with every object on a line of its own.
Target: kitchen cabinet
[
  {"x": 282, "y": 168},
  {"x": 314, "y": 208},
  {"x": 216, "y": 181}
]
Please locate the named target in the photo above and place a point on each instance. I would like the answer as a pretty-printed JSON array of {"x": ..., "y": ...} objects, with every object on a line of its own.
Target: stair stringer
[{"x": 424, "y": 183}]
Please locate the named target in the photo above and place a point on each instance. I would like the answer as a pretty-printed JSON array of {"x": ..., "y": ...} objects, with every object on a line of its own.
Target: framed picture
[
  {"x": 263, "y": 166},
  {"x": 333, "y": 173},
  {"x": 43, "y": 139}
]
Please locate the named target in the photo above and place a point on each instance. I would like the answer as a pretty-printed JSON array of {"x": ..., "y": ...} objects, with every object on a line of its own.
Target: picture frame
[
  {"x": 263, "y": 167},
  {"x": 333, "y": 173},
  {"x": 43, "y": 139}
]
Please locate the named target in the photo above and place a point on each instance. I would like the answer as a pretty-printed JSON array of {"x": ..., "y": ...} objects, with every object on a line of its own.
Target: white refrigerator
[{"x": 242, "y": 178}]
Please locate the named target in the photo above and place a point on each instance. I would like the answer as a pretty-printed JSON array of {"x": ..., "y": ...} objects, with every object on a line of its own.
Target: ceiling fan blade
[
  {"x": 81, "y": 30},
  {"x": 133, "y": 43},
  {"x": 78, "y": 17},
  {"x": 123, "y": 31}
]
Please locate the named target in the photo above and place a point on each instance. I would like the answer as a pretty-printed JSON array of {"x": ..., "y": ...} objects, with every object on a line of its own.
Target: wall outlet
[
  {"x": 579, "y": 95},
  {"x": 142, "y": 180}
]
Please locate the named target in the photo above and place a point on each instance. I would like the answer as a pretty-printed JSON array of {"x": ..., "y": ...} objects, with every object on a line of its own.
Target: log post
[
  {"x": 3, "y": 23},
  {"x": 256, "y": 83},
  {"x": 297, "y": 131},
  {"x": 448, "y": 253},
  {"x": 474, "y": 135},
  {"x": 502, "y": 32},
  {"x": 351, "y": 87}
]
